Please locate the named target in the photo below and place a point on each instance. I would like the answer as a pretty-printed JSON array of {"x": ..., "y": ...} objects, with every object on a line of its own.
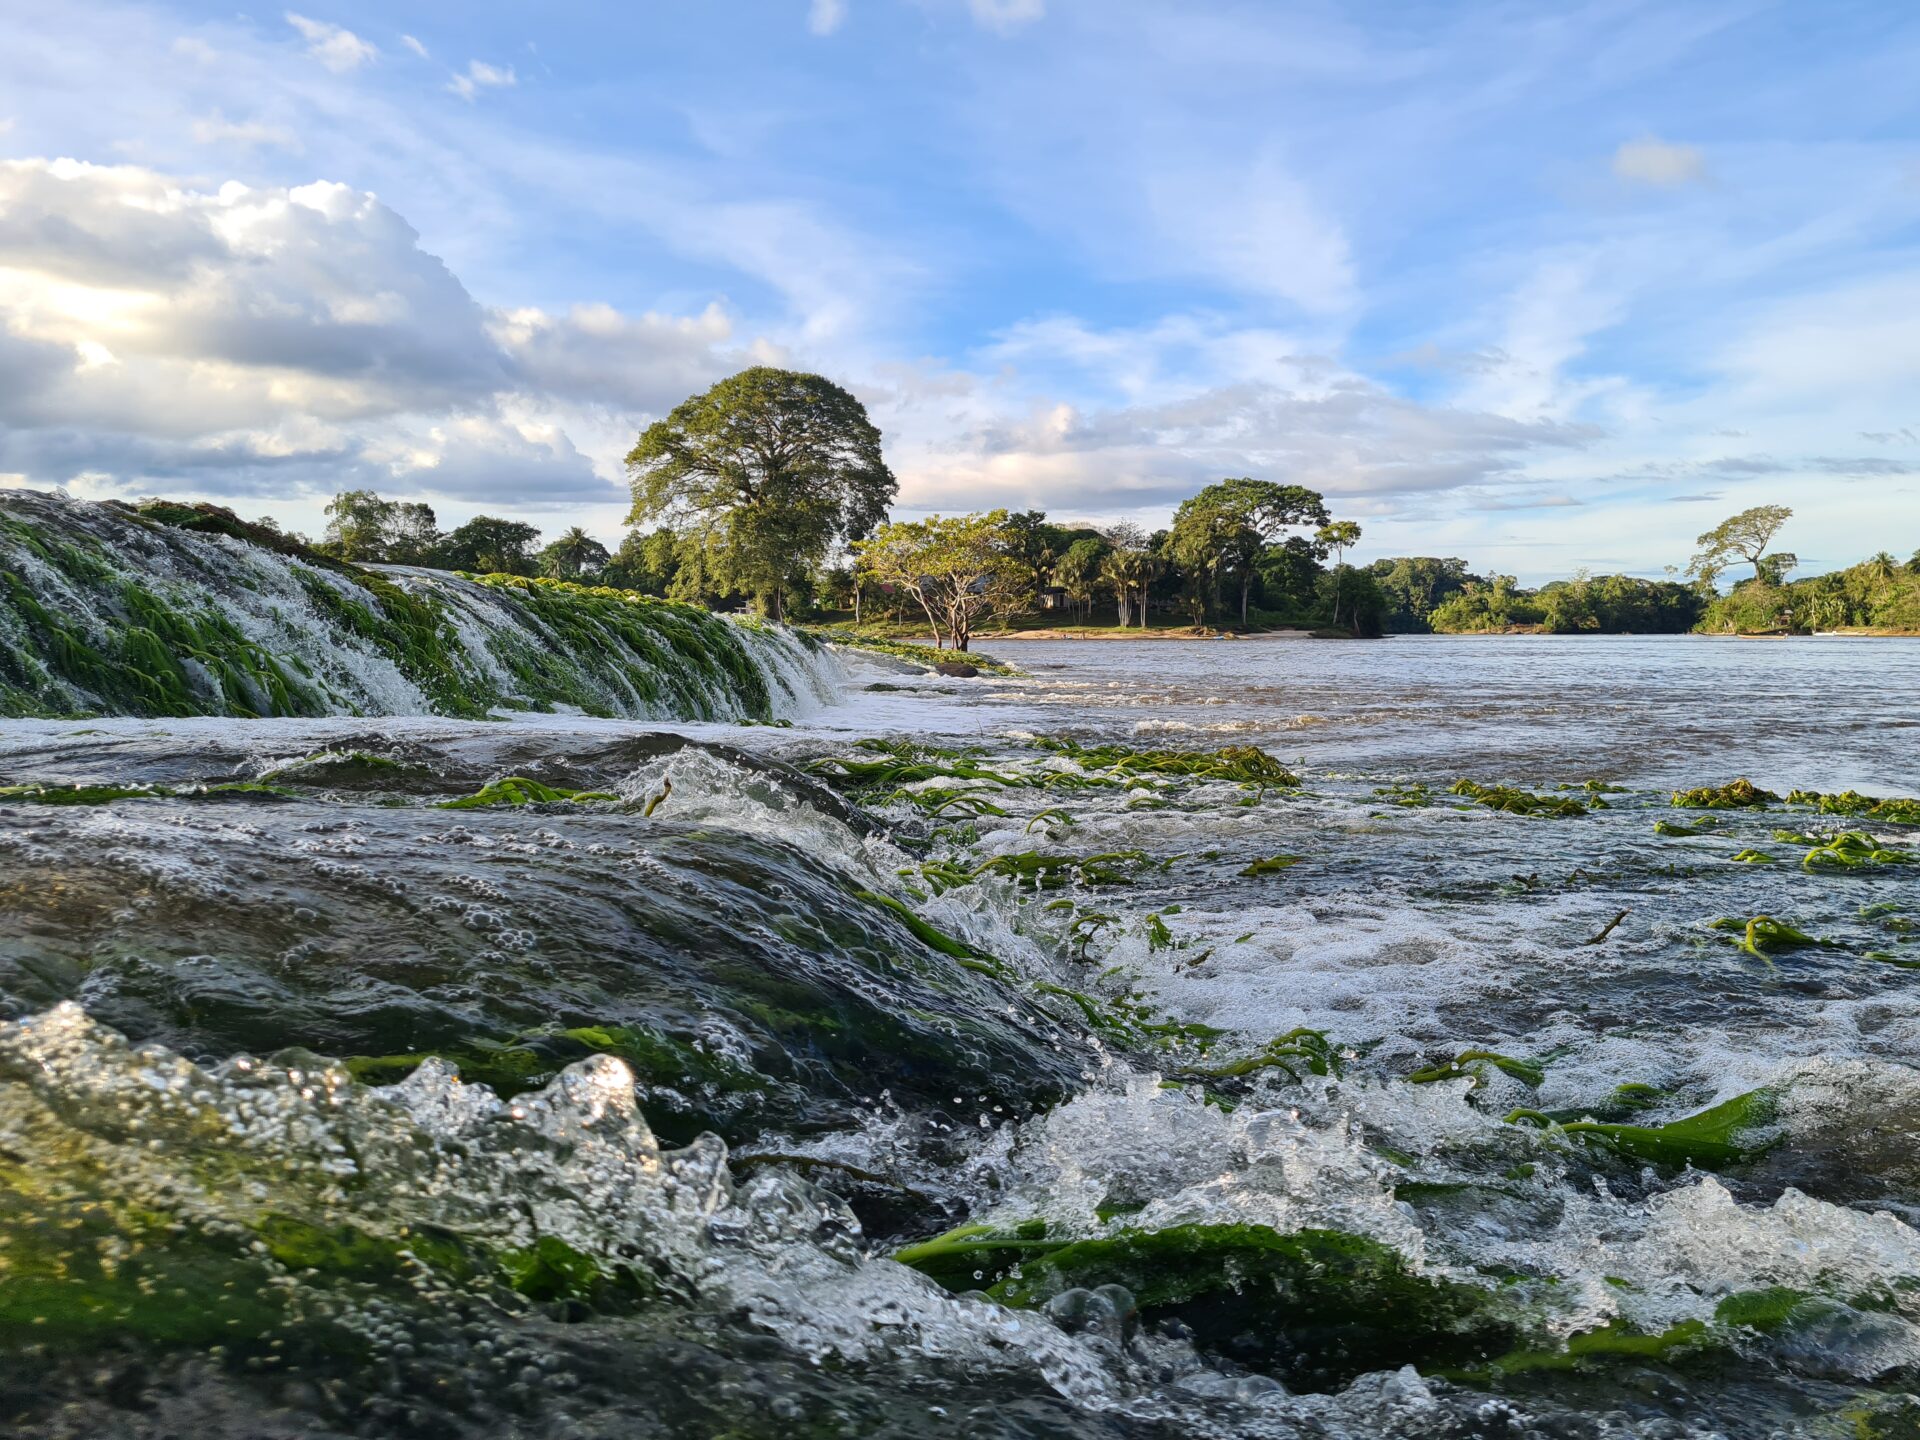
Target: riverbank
[{"x": 1182, "y": 632}]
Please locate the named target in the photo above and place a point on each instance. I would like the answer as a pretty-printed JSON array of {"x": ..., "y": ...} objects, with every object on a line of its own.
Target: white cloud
[
  {"x": 1210, "y": 402},
  {"x": 283, "y": 340},
  {"x": 633, "y": 364},
  {"x": 1255, "y": 226},
  {"x": 1652, "y": 161},
  {"x": 216, "y": 129},
  {"x": 415, "y": 46},
  {"x": 334, "y": 46},
  {"x": 479, "y": 76},
  {"x": 1006, "y": 16},
  {"x": 826, "y": 16}
]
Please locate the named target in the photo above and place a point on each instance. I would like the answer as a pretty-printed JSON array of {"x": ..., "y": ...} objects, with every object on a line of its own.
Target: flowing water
[{"x": 342, "y": 1095}]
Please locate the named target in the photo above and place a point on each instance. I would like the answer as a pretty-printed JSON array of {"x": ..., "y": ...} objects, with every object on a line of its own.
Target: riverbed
[{"x": 940, "y": 953}]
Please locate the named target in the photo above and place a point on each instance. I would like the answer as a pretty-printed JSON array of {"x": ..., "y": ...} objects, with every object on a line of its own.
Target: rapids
[{"x": 1059, "y": 1069}]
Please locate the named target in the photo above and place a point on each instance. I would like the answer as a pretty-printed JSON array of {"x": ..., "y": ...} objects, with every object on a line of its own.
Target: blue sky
[{"x": 1542, "y": 286}]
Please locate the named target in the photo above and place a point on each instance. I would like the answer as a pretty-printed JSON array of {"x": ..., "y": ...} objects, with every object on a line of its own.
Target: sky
[{"x": 1543, "y": 286}]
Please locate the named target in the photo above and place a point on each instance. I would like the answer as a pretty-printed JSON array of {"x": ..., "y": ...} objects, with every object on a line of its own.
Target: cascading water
[
  {"x": 111, "y": 611},
  {"x": 432, "y": 1078}
]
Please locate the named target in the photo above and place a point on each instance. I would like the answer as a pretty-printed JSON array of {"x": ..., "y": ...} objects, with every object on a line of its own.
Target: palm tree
[
  {"x": 1129, "y": 567},
  {"x": 572, "y": 554},
  {"x": 1337, "y": 535}
]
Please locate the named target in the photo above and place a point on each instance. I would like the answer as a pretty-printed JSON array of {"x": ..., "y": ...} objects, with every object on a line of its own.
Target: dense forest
[{"x": 805, "y": 535}]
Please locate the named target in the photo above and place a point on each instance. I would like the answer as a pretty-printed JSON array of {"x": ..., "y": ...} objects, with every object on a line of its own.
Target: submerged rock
[{"x": 747, "y": 984}]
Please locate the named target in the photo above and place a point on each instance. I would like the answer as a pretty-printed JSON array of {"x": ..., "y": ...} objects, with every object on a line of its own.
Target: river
[{"x": 1330, "y": 1102}]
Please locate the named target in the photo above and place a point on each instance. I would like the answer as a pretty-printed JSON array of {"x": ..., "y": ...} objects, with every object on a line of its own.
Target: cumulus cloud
[
  {"x": 334, "y": 46},
  {"x": 826, "y": 16},
  {"x": 1340, "y": 434},
  {"x": 481, "y": 76},
  {"x": 526, "y": 463},
  {"x": 1652, "y": 161},
  {"x": 632, "y": 363},
  {"x": 271, "y": 340}
]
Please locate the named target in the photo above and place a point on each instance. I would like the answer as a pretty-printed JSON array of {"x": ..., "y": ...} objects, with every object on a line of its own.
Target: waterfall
[{"x": 176, "y": 610}]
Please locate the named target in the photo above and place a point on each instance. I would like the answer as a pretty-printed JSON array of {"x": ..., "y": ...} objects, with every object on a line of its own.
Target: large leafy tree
[
  {"x": 647, "y": 560},
  {"x": 960, "y": 568},
  {"x": 490, "y": 545},
  {"x": 362, "y": 526},
  {"x": 1745, "y": 536},
  {"x": 357, "y": 524},
  {"x": 1224, "y": 529},
  {"x": 766, "y": 471},
  {"x": 574, "y": 554},
  {"x": 413, "y": 533}
]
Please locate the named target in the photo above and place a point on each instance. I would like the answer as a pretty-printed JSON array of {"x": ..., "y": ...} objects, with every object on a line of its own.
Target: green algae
[
  {"x": 1040, "y": 871},
  {"x": 1853, "y": 850},
  {"x": 1734, "y": 1132},
  {"x": 1510, "y": 801},
  {"x": 1272, "y": 865},
  {"x": 154, "y": 647},
  {"x": 1707, "y": 826},
  {"x": 972, "y": 1256},
  {"x": 1740, "y": 794},
  {"x": 895, "y": 773},
  {"x": 933, "y": 937},
  {"x": 516, "y": 1064},
  {"x": 1764, "y": 1312},
  {"x": 1474, "y": 1064},
  {"x": 1763, "y": 936},
  {"x": 1315, "y": 1307},
  {"x": 1415, "y": 796},
  {"x": 1899, "y": 810},
  {"x": 923, "y": 655},
  {"x": 148, "y": 657},
  {"x": 37, "y": 794},
  {"x": 1613, "y": 1343},
  {"x": 1634, "y": 1096},
  {"x": 1310, "y": 1050},
  {"x": 517, "y": 790},
  {"x": 604, "y": 643},
  {"x": 1241, "y": 764}
]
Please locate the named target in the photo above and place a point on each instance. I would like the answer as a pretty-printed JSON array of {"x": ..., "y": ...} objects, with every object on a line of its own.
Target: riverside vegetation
[{"x": 745, "y": 514}]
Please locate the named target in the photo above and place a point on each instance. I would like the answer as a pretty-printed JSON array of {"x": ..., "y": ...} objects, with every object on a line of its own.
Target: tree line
[{"x": 771, "y": 490}]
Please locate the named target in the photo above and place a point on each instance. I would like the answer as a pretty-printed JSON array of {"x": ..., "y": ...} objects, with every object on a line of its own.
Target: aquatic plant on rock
[
  {"x": 1313, "y": 1308},
  {"x": 1521, "y": 802},
  {"x": 1735, "y": 795},
  {"x": 1734, "y": 1132}
]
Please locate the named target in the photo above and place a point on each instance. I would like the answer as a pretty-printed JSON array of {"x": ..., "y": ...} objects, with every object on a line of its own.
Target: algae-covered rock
[
  {"x": 748, "y": 985},
  {"x": 1739, "y": 794},
  {"x": 1313, "y": 1308}
]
